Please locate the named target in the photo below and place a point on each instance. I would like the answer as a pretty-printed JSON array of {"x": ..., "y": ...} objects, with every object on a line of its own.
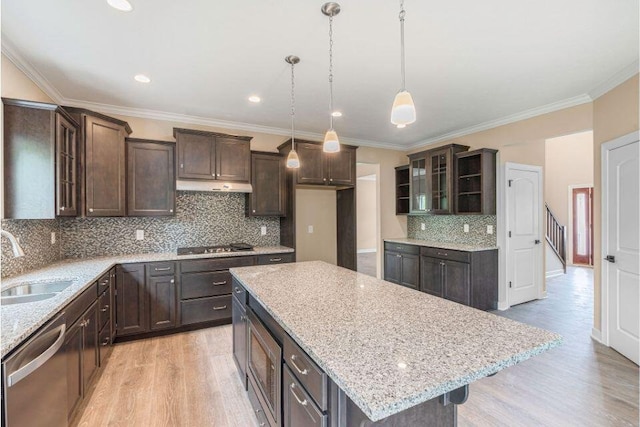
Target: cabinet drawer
[
  {"x": 256, "y": 406},
  {"x": 275, "y": 258},
  {"x": 299, "y": 408},
  {"x": 104, "y": 342},
  {"x": 80, "y": 304},
  {"x": 104, "y": 309},
  {"x": 205, "y": 309},
  {"x": 312, "y": 378},
  {"x": 399, "y": 247},
  {"x": 161, "y": 269},
  {"x": 104, "y": 282},
  {"x": 198, "y": 285},
  {"x": 216, "y": 264},
  {"x": 460, "y": 256},
  {"x": 239, "y": 292}
]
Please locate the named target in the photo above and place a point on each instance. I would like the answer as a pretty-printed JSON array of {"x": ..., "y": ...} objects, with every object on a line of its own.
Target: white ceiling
[{"x": 468, "y": 62}]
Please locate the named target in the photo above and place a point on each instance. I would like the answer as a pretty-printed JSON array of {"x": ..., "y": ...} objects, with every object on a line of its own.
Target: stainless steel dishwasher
[{"x": 35, "y": 380}]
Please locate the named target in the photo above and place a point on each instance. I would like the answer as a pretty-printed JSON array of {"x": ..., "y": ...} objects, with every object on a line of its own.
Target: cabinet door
[
  {"x": 73, "y": 354},
  {"x": 312, "y": 164},
  {"x": 342, "y": 167},
  {"x": 66, "y": 167},
  {"x": 131, "y": 313},
  {"x": 196, "y": 156},
  {"x": 456, "y": 282},
  {"x": 105, "y": 168},
  {"x": 392, "y": 267},
  {"x": 239, "y": 321},
  {"x": 418, "y": 184},
  {"x": 431, "y": 271},
  {"x": 298, "y": 408},
  {"x": 410, "y": 268},
  {"x": 439, "y": 178},
  {"x": 233, "y": 160},
  {"x": 90, "y": 356},
  {"x": 150, "y": 179},
  {"x": 268, "y": 182},
  {"x": 162, "y": 302}
]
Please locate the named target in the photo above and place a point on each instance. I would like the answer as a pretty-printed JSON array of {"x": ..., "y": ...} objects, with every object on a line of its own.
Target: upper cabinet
[
  {"x": 40, "y": 161},
  {"x": 268, "y": 183},
  {"x": 102, "y": 145},
  {"x": 431, "y": 177},
  {"x": 475, "y": 182},
  {"x": 212, "y": 156},
  {"x": 320, "y": 168},
  {"x": 150, "y": 178}
]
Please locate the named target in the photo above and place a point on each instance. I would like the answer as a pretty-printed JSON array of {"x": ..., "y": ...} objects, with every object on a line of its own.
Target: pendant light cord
[
  {"x": 402, "y": 72},
  {"x": 331, "y": 72},
  {"x": 293, "y": 109}
]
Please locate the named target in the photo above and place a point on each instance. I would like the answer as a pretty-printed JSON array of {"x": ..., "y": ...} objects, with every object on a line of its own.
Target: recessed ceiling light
[
  {"x": 142, "y": 78},
  {"x": 336, "y": 114},
  {"x": 255, "y": 99},
  {"x": 401, "y": 126},
  {"x": 121, "y": 5}
]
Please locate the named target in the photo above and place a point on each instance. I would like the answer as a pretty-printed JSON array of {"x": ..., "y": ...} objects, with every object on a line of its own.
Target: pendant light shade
[
  {"x": 331, "y": 142},
  {"x": 293, "y": 162},
  {"x": 403, "y": 111}
]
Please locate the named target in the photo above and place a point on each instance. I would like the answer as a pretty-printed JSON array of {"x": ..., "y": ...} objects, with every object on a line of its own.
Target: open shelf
[{"x": 403, "y": 188}]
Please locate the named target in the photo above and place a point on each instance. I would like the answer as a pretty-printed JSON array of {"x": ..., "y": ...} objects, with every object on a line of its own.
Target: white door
[
  {"x": 524, "y": 233},
  {"x": 621, "y": 245}
]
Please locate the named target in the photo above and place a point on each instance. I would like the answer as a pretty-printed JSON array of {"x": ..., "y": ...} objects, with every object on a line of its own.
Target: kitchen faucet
[{"x": 15, "y": 246}]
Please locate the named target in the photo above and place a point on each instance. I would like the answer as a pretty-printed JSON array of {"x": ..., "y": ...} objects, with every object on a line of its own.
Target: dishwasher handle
[{"x": 40, "y": 360}]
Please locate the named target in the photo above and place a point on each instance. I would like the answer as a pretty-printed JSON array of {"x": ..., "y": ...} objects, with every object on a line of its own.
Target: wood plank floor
[{"x": 189, "y": 379}]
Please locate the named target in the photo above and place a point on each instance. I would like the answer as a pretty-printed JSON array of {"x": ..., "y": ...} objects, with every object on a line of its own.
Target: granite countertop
[
  {"x": 443, "y": 245},
  {"x": 388, "y": 347},
  {"x": 19, "y": 321}
]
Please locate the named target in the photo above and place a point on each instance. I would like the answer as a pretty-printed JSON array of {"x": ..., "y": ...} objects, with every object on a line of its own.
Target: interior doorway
[
  {"x": 368, "y": 221},
  {"x": 581, "y": 205}
]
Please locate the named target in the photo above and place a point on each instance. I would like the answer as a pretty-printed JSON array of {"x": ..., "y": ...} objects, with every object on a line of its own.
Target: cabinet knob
[
  {"x": 324, "y": 179},
  {"x": 254, "y": 211},
  {"x": 90, "y": 209},
  {"x": 105, "y": 308},
  {"x": 218, "y": 175},
  {"x": 331, "y": 179},
  {"x": 171, "y": 210},
  {"x": 172, "y": 281},
  {"x": 181, "y": 165},
  {"x": 62, "y": 208}
]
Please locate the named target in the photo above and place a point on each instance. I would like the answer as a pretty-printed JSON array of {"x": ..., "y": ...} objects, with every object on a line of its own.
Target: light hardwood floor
[{"x": 189, "y": 379}]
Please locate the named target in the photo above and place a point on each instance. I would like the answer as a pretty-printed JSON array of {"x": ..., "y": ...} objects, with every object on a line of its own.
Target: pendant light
[
  {"x": 293, "y": 162},
  {"x": 403, "y": 111},
  {"x": 331, "y": 141}
]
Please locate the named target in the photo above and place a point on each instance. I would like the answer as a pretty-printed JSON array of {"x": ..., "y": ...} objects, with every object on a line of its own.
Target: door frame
[
  {"x": 503, "y": 225},
  {"x": 570, "y": 223},
  {"x": 621, "y": 141}
]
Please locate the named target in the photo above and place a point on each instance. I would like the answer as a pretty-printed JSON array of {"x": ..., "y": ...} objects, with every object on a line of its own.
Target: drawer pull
[
  {"x": 238, "y": 290},
  {"x": 219, "y": 283},
  {"x": 399, "y": 248},
  {"x": 105, "y": 308},
  {"x": 105, "y": 283},
  {"x": 220, "y": 307},
  {"x": 442, "y": 253},
  {"x": 303, "y": 402},
  {"x": 162, "y": 269},
  {"x": 293, "y": 362},
  {"x": 275, "y": 259},
  {"x": 105, "y": 342}
]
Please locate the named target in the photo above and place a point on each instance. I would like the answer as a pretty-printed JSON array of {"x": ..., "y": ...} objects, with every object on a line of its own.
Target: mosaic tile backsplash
[
  {"x": 35, "y": 240},
  {"x": 201, "y": 219},
  {"x": 450, "y": 228}
]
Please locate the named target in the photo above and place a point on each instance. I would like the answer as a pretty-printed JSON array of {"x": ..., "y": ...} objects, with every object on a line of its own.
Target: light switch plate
[
  {"x": 139, "y": 234},
  {"x": 263, "y": 230},
  {"x": 53, "y": 237},
  {"x": 466, "y": 228},
  {"x": 310, "y": 229},
  {"x": 489, "y": 229},
  {"x": 423, "y": 226}
]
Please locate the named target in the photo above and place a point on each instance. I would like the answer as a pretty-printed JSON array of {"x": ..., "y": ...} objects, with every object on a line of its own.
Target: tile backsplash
[
  {"x": 450, "y": 228},
  {"x": 201, "y": 219}
]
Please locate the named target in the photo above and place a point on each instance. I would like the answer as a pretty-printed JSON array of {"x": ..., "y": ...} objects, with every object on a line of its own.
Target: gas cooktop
[{"x": 232, "y": 247}]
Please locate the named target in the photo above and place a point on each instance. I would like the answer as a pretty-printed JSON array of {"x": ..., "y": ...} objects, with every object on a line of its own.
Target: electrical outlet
[
  {"x": 310, "y": 229},
  {"x": 139, "y": 234},
  {"x": 53, "y": 237},
  {"x": 423, "y": 226},
  {"x": 263, "y": 230},
  {"x": 466, "y": 228},
  {"x": 489, "y": 229}
]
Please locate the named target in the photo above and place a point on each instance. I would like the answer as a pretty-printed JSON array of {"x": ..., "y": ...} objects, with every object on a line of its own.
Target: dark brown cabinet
[
  {"x": 475, "y": 182},
  {"x": 320, "y": 168},
  {"x": 40, "y": 161},
  {"x": 90, "y": 357},
  {"x": 401, "y": 264},
  {"x": 341, "y": 167},
  {"x": 131, "y": 300},
  {"x": 162, "y": 302},
  {"x": 312, "y": 164},
  {"x": 150, "y": 178},
  {"x": 298, "y": 407},
  {"x": 212, "y": 156},
  {"x": 239, "y": 324},
  {"x": 402, "y": 190},
  {"x": 447, "y": 279},
  {"x": 268, "y": 182}
]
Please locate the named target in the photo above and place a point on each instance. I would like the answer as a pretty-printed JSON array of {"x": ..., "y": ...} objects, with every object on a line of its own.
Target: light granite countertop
[
  {"x": 443, "y": 245},
  {"x": 19, "y": 321},
  {"x": 388, "y": 347}
]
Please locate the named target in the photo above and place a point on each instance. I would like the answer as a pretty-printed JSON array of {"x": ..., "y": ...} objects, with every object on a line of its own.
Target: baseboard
[
  {"x": 554, "y": 273},
  {"x": 366, "y": 251},
  {"x": 543, "y": 295},
  {"x": 502, "y": 306},
  {"x": 596, "y": 335}
]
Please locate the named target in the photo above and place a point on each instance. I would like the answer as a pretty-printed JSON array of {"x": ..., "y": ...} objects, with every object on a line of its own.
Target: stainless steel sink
[{"x": 35, "y": 291}]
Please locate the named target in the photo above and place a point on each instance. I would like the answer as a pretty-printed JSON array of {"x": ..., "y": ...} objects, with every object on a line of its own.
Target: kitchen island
[{"x": 392, "y": 355}]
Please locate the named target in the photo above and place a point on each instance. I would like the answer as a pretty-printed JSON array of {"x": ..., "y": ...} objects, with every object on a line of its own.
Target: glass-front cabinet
[{"x": 419, "y": 185}]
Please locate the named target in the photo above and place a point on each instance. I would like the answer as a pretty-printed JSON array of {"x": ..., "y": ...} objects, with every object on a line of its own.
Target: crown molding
[
  {"x": 30, "y": 71},
  {"x": 527, "y": 114},
  {"x": 617, "y": 79}
]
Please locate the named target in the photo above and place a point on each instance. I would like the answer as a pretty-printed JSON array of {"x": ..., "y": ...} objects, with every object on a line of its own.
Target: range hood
[{"x": 213, "y": 186}]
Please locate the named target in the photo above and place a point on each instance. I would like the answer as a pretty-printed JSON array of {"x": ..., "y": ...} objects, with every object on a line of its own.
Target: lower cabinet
[
  {"x": 162, "y": 302},
  {"x": 131, "y": 301},
  {"x": 298, "y": 407},
  {"x": 447, "y": 279},
  {"x": 402, "y": 265},
  {"x": 239, "y": 322}
]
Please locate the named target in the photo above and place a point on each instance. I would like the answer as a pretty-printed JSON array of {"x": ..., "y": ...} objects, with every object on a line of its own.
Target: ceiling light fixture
[
  {"x": 142, "y": 78},
  {"x": 255, "y": 99},
  {"x": 331, "y": 141},
  {"x": 336, "y": 114},
  {"x": 293, "y": 162},
  {"x": 121, "y": 5},
  {"x": 403, "y": 111}
]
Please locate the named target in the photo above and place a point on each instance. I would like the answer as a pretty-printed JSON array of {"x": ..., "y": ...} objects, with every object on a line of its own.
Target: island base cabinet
[
  {"x": 298, "y": 407},
  {"x": 239, "y": 321},
  {"x": 430, "y": 413}
]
